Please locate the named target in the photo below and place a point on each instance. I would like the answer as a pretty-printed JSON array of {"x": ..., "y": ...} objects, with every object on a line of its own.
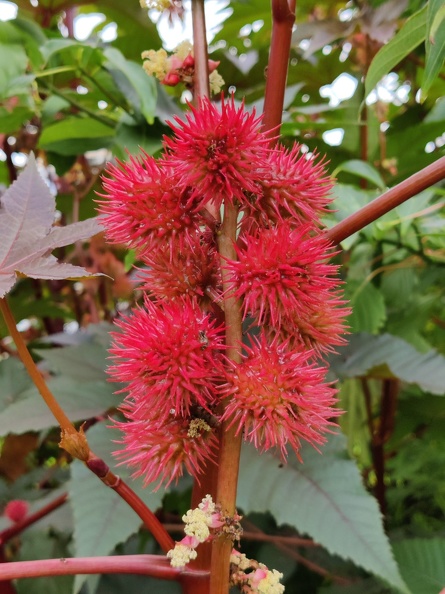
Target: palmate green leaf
[
  {"x": 364, "y": 353},
  {"x": 422, "y": 563},
  {"x": 102, "y": 519},
  {"x": 324, "y": 497},
  {"x": 403, "y": 43}
]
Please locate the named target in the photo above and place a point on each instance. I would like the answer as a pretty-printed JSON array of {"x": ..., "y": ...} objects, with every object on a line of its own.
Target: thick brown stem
[
  {"x": 230, "y": 443},
  {"x": 283, "y": 19},
  {"x": 387, "y": 201}
]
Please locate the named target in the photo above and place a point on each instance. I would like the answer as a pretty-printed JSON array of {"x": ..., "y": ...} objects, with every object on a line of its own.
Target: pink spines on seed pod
[
  {"x": 277, "y": 398},
  {"x": 294, "y": 187},
  {"x": 162, "y": 449},
  {"x": 282, "y": 274},
  {"x": 192, "y": 271},
  {"x": 322, "y": 328},
  {"x": 219, "y": 153},
  {"x": 169, "y": 354},
  {"x": 144, "y": 207}
]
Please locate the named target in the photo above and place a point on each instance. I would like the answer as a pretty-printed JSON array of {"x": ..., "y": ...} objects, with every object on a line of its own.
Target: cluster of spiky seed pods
[{"x": 170, "y": 351}]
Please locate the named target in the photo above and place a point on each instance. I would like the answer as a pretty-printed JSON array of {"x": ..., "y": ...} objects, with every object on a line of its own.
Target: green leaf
[
  {"x": 133, "y": 138},
  {"x": 368, "y": 310},
  {"x": 13, "y": 382},
  {"x": 102, "y": 518},
  {"x": 401, "y": 45},
  {"x": 325, "y": 498},
  {"x": 12, "y": 120},
  {"x": 54, "y": 46},
  {"x": 435, "y": 44},
  {"x": 86, "y": 363},
  {"x": 143, "y": 87},
  {"x": 347, "y": 200},
  {"x": 361, "y": 169},
  {"x": 40, "y": 544},
  {"x": 365, "y": 352},
  {"x": 12, "y": 65},
  {"x": 80, "y": 401},
  {"x": 421, "y": 562},
  {"x": 75, "y": 136}
]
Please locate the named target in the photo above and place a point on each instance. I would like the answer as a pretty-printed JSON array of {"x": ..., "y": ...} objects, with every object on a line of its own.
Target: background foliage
[{"x": 77, "y": 103}]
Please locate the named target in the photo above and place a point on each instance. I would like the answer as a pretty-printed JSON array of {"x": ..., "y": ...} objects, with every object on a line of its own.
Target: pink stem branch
[
  {"x": 151, "y": 565},
  {"x": 397, "y": 195}
]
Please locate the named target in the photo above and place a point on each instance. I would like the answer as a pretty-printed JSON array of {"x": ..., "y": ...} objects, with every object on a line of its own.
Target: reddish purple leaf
[{"x": 27, "y": 234}]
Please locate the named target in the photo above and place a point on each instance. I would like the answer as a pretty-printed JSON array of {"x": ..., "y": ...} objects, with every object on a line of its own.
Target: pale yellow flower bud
[
  {"x": 216, "y": 82},
  {"x": 181, "y": 555},
  {"x": 155, "y": 63}
]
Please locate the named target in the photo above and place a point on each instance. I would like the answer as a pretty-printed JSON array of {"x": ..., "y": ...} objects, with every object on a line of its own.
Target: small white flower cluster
[
  {"x": 260, "y": 580},
  {"x": 197, "y": 529}
]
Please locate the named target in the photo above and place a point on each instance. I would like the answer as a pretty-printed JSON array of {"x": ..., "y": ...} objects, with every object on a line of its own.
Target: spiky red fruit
[
  {"x": 193, "y": 271},
  {"x": 294, "y": 187},
  {"x": 162, "y": 449},
  {"x": 144, "y": 207},
  {"x": 220, "y": 154},
  {"x": 277, "y": 398},
  {"x": 169, "y": 355},
  {"x": 283, "y": 277},
  {"x": 16, "y": 510}
]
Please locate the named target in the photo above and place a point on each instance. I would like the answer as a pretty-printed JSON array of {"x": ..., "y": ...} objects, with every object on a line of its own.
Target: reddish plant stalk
[
  {"x": 207, "y": 484},
  {"x": 18, "y": 527},
  {"x": 6, "y": 586},
  {"x": 93, "y": 462},
  {"x": 201, "y": 78},
  {"x": 157, "y": 530},
  {"x": 150, "y": 565},
  {"x": 417, "y": 182},
  {"x": 34, "y": 373},
  {"x": 283, "y": 19},
  {"x": 230, "y": 443}
]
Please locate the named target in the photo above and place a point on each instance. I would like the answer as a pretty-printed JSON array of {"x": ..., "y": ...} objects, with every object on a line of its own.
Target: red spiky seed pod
[
  {"x": 169, "y": 354},
  {"x": 277, "y": 398}
]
